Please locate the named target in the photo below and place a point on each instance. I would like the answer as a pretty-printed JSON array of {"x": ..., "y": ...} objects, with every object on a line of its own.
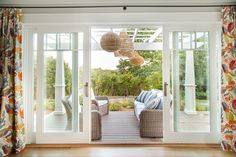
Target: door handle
[
  {"x": 165, "y": 88},
  {"x": 86, "y": 89}
]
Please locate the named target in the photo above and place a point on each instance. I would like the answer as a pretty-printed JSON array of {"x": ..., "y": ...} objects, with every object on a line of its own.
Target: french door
[
  {"x": 58, "y": 56},
  {"x": 191, "y": 86}
]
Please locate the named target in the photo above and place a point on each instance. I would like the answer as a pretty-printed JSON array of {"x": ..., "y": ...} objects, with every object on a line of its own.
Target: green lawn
[
  {"x": 50, "y": 105},
  {"x": 201, "y": 105}
]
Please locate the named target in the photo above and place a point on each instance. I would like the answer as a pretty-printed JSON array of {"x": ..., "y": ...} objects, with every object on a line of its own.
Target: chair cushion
[
  {"x": 153, "y": 103},
  {"x": 160, "y": 105},
  {"x": 160, "y": 95},
  {"x": 102, "y": 102},
  {"x": 151, "y": 95},
  {"x": 139, "y": 106},
  {"x": 142, "y": 96},
  {"x": 148, "y": 100},
  {"x": 138, "y": 98}
]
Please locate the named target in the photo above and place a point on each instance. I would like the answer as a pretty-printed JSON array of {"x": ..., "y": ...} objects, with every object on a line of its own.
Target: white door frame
[
  {"x": 179, "y": 137},
  {"x": 54, "y": 137},
  {"x": 166, "y": 20}
]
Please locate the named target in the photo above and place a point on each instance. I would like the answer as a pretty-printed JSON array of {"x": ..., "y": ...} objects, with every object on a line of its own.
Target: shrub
[
  {"x": 130, "y": 104},
  {"x": 115, "y": 107},
  {"x": 201, "y": 105},
  {"x": 50, "y": 104},
  {"x": 119, "y": 105},
  {"x": 201, "y": 95},
  {"x": 202, "y": 108}
]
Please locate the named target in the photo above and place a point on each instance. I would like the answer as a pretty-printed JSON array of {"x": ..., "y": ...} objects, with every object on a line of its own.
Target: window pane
[
  {"x": 191, "y": 83},
  {"x": 186, "y": 40},
  {"x": 50, "y": 41},
  {"x": 65, "y": 40},
  {"x": 62, "y": 93}
]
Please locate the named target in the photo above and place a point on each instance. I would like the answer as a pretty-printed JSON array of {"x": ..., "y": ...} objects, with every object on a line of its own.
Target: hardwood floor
[{"x": 125, "y": 151}]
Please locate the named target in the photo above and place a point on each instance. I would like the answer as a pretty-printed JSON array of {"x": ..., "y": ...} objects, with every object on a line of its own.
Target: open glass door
[
  {"x": 61, "y": 68},
  {"x": 191, "y": 86}
]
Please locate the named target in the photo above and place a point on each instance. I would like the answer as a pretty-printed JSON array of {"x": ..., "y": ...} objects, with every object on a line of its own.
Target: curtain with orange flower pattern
[
  {"x": 12, "y": 135},
  {"x": 229, "y": 78}
]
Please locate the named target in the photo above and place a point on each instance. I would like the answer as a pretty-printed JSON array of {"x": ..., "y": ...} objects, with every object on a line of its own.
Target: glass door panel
[
  {"x": 61, "y": 86},
  {"x": 190, "y": 69},
  {"x": 61, "y": 69},
  {"x": 190, "y": 75}
]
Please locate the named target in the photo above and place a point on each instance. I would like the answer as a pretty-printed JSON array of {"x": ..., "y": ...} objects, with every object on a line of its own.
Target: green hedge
[{"x": 119, "y": 105}]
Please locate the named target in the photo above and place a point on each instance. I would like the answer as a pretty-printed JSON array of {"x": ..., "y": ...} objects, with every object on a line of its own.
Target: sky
[
  {"x": 104, "y": 60},
  {"x": 99, "y": 59}
]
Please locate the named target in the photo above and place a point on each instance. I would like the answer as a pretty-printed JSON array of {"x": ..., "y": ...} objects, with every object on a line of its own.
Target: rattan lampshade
[
  {"x": 110, "y": 42},
  {"x": 136, "y": 59},
  {"x": 117, "y": 54},
  {"x": 126, "y": 46}
]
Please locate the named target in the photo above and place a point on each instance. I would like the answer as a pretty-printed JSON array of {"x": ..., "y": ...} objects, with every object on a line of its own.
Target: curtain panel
[
  {"x": 12, "y": 134},
  {"x": 229, "y": 78}
]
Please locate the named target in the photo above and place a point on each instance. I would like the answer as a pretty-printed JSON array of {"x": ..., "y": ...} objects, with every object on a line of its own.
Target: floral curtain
[
  {"x": 229, "y": 78},
  {"x": 12, "y": 135}
]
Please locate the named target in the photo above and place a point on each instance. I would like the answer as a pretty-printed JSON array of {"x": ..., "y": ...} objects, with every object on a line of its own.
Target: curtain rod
[{"x": 113, "y": 6}]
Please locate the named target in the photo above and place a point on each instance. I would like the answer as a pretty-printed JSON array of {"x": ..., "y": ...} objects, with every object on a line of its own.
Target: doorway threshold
[{"x": 149, "y": 141}]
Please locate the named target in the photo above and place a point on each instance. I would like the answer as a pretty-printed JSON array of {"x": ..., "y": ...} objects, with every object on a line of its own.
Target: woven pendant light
[
  {"x": 136, "y": 59},
  {"x": 126, "y": 46},
  {"x": 110, "y": 42},
  {"x": 117, "y": 54}
]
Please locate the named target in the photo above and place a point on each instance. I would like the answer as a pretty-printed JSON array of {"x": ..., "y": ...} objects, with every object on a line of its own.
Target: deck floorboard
[{"x": 123, "y": 126}]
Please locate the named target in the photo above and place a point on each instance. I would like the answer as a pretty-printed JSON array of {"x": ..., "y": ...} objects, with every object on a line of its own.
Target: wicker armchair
[
  {"x": 151, "y": 123},
  {"x": 103, "y": 108},
  {"x": 68, "y": 109},
  {"x": 96, "y": 124}
]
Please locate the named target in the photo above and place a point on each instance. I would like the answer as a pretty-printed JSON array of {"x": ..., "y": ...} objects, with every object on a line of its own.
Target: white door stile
[
  {"x": 214, "y": 74},
  {"x": 40, "y": 88},
  {"x": 166, "y": 79},
  {"x": 27, "y": 59},
  {"x": 87, "y": 80}
]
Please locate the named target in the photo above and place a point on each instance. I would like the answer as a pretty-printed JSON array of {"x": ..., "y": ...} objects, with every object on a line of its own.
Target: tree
[
  {"x": 129, "y": 79},
  {"x": 50, "y": 78},
  {"x": 201, "y": 73}
]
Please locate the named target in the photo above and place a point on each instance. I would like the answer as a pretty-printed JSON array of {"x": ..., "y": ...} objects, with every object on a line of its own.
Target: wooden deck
[{"x": 123, "y": 127}]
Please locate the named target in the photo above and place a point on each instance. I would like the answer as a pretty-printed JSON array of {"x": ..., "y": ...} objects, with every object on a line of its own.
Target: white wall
[{"x": 121, "y": 19}]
